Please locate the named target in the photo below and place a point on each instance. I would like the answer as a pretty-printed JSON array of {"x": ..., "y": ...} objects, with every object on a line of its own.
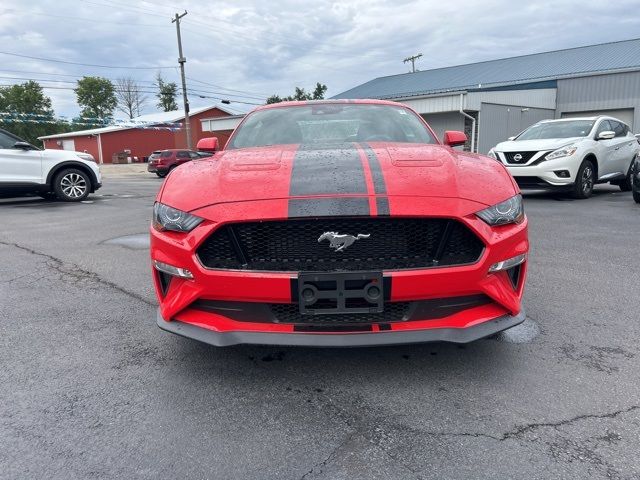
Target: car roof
[
  {"x": 570, "y": 119},
  {"x": 368, "y": 101}
]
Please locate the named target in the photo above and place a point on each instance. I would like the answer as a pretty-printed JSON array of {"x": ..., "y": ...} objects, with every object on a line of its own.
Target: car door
[
  {"x": 623, "y": 150},
  {"x": 605, "y": 150},
  {"x": 18, "y": 165}
]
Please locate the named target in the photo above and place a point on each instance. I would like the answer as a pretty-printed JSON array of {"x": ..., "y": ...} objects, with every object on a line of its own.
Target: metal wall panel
[
  {"x": 600, "y": 92},
  {"x": 436, "y": 104},
  {"x": 499, "y": 122},
  {"x": 440, "y": 122},
  {"x": 537, "y": 98},
  {"x": 624, "y": 114}
]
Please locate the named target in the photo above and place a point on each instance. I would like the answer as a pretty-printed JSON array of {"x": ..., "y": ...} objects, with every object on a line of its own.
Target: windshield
[
  {"x": 330, "y": 123},
  {"x": 564, "y": 129}
]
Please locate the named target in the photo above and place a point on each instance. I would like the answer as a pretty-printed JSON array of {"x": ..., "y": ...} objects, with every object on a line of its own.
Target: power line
[
  {"x": 206, "y": 33},
  {"x": 86, "y": 19},
  {"x": 229, "y": 89},
  {"x": 153, "y": 82},
  {"x": 196, "y": 91},
  {"x": 81, "y": 64}
]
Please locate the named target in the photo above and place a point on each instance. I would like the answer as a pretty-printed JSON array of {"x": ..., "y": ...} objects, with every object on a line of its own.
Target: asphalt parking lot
[{"x": 91, "y": 388}]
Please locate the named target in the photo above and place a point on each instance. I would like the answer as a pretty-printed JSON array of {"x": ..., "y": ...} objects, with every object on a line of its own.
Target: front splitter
[{"x": 359, "y": 339}]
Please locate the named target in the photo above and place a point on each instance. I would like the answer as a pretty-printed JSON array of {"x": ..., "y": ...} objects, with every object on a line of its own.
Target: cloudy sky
[{"x": 245, "y": 51}]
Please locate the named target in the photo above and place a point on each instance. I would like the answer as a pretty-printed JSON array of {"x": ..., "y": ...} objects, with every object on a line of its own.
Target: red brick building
[{"x": 140, "y": 138}]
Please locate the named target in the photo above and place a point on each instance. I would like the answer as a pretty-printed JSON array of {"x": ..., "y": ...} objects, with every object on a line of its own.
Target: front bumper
[
  {"x": 179, "y": 298},
  {"x": 454, "y": 335},
  {"x": 543, "y": 175},
  {"x": 157, "y": 168}
]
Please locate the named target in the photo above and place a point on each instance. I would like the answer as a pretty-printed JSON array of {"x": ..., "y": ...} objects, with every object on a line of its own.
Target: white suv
[
  {"x": 571, "y": 154},
  {"x": 69, "y": 176}
]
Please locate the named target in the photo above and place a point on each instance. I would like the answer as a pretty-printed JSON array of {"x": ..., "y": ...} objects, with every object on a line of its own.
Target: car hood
[
  {"x": 535, "y": 145},
  {"x": 346, "y": 170},
  {"x": 60, "y": 154}
]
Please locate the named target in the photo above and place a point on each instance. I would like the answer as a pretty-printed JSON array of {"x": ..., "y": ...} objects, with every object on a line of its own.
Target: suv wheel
[
  {"x": 72, "y": 185},
  {"x": 585, "y": 180},
  {"x": 162, "y": 174},
  {"x": 626, "y": 184}
]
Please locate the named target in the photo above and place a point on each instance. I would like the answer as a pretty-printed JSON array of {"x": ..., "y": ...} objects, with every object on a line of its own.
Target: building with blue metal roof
[{"x": 495, "y": 99}]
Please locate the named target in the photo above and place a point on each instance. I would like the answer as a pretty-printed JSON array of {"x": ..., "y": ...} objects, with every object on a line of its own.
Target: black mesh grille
[
  {"x": 292, "y": 245},
  {"x": 290, "y": 313},
  {"x": 524, "y": 157}
]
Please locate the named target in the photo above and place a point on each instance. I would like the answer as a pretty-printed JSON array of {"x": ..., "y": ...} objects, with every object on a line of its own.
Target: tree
[
  {"x": 28, "y": 110},
  {"x": 97, "y": 97},
  {"x": 130, "y": 99},
  {"x": 167, "y": 94},
  {"x": 300, "y": 94}
]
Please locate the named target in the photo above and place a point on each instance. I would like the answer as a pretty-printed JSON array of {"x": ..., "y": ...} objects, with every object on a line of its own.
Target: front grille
[
  {"x": 292, "y": 245},
  {"x": 526, "y": 156},
  {"x": 290, "y": 313}
]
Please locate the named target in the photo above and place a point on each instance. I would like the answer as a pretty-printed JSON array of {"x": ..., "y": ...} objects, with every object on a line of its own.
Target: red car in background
[
  {"x": 161, "y": 162},
  {"x": 338, "y": 223}
]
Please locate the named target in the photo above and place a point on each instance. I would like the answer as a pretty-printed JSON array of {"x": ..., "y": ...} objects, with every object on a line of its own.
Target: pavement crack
[
  {"x": 329, "y": 457},
  {"x": 522, "y": 430},
  {"x": 76, "y": 272}
]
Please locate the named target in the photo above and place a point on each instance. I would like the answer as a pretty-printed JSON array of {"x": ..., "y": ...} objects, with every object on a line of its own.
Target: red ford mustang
[{"x": 339, "y": 223}]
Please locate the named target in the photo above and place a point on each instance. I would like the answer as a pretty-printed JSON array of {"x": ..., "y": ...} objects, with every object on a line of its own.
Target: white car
[
  {"x": 571, "y": 154},
  {"x": 68, "y": 176}
]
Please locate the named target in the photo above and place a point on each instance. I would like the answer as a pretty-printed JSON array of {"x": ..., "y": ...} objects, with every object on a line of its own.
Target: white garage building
[{"x": 502, "y": 97}]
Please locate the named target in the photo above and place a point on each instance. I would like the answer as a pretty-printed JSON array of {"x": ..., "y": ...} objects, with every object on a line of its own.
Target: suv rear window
[{"x": 166, "y": 154}]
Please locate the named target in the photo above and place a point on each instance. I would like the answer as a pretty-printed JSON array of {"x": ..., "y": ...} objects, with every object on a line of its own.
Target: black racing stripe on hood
[
  {"x": 376, "y": 170},
  {"x": 328, "y": 207},
  {"x": 382, "y": 205},
  {"x": 326, "y": 170}
]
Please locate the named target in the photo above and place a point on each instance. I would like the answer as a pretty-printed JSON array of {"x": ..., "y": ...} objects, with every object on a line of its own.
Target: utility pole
[
  {"x": 411, "y": 59},
  {"x": 182, "y": 61}
]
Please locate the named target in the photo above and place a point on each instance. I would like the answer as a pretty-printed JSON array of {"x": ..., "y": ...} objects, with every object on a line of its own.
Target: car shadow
[
  {"x": 430, "y": 360},
  {"x": 598, "y": 191},
  {"x": 35, "y": 201}
]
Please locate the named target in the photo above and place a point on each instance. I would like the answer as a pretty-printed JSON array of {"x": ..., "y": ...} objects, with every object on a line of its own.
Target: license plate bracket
[{"x": 335, "y": 293}]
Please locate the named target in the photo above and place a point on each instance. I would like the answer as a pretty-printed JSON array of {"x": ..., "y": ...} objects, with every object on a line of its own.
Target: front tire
[
  {"x": 585, "y": 180},
  {"x": 72, "y": 185}
]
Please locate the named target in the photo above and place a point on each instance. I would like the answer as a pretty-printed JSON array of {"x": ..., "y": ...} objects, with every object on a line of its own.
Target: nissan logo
[{"x": 517, "y": 157}]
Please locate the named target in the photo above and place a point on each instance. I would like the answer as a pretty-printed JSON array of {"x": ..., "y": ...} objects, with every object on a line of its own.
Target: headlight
[
  {"x": 509, "y": 211},
  {"x": 562, "y": 152},
  {"x": 492, "y": 153},
  {"x": 169, "y": 218},
  {"x": 86, "y": 156}
]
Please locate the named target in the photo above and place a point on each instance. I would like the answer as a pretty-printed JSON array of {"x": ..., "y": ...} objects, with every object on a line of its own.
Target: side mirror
[
  {"x": 453, "y": 138},
  {"x": 511, "y": 138},
  {"x": 606, "y": 135},
  {"x": 23, "y": 146},
  {"x": 209, "y": 144}
]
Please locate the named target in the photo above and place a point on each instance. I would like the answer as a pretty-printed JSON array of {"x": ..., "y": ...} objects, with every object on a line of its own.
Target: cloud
[{"x": 251, "y": 49}]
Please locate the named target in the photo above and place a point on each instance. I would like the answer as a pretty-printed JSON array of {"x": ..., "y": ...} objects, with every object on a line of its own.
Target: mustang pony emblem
[{"x": 341, "y": 241}]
